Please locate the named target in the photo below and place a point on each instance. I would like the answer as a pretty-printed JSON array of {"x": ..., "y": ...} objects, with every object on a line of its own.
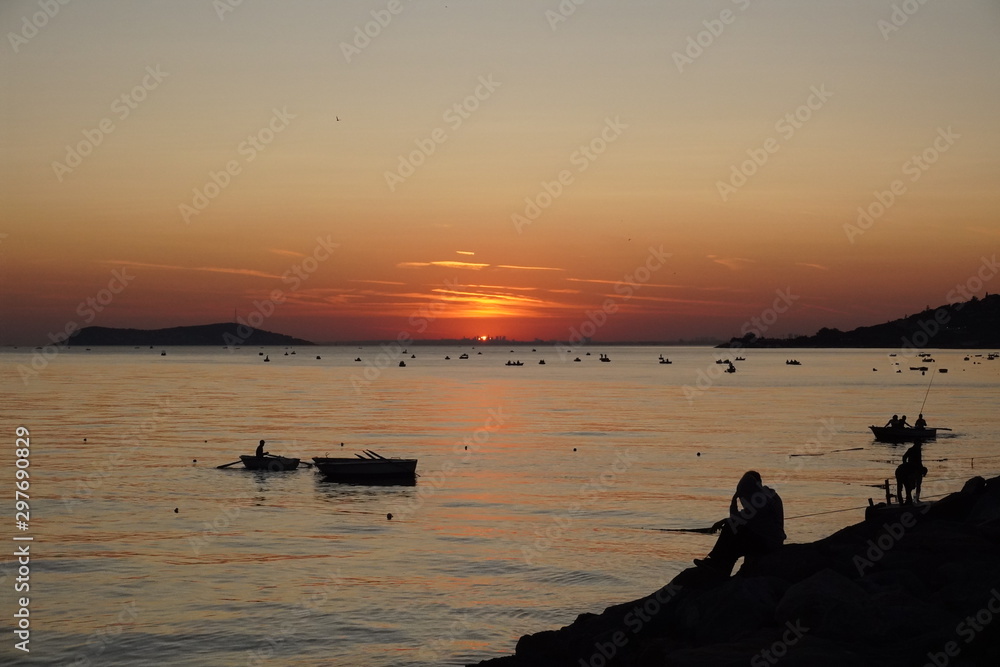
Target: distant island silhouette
[
  {"x": 973, "y": 324},
  {"x": 223, "y": 334}
]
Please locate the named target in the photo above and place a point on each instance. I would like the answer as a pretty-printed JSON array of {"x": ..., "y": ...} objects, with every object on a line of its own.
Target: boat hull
[
  {"x": 375, "y": 471},
  {"x": 269, "y": 463},
  {"x": 889, "y": 434}
]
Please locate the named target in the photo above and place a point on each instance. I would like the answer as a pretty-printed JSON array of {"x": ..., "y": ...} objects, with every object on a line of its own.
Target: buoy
[
  {"x": 574, "y": 449},
  {"x": 699, "y": 453},
  {"x": 389, "y": 516},
  {"x": 176, "y": 510},
  {"x": 85, "y": 440},
  {"x": 194, "y": 461}
]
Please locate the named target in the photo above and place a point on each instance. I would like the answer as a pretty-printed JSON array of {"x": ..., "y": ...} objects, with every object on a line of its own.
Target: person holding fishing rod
[{"x": 758, "y": 528}]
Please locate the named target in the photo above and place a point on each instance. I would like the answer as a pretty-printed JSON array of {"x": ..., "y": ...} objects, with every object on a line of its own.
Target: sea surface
[{"x": 542, "y": 487}]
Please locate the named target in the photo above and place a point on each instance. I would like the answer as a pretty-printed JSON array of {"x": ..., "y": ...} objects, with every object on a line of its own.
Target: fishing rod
[{"x": 927, "y": 394}]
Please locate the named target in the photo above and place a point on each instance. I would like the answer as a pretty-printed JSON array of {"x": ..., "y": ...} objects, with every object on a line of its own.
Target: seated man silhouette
[{"x": 757, "y": 528}]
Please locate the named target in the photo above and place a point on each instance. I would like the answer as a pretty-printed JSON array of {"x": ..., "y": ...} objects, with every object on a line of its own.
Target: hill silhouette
[
  {"x": 973, "y": 324},
  {"x": 228, "y": 333}
]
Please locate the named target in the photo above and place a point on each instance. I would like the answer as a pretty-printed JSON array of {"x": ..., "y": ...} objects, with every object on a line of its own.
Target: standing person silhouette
[{"x": 757, "y": 528}]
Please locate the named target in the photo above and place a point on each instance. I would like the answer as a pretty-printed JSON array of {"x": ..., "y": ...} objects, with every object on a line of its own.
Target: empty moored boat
[{"x": 375, "y": 468}]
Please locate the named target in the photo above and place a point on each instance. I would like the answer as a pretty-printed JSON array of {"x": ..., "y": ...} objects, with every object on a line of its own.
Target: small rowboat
[
  {"x": 890, "y": 434},
  {"x": 374, "y": 469},
  {"x": 270, "y": 463}
]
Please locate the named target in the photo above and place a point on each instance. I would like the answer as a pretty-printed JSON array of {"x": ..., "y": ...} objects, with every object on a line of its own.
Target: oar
[
  {"x": 379, "y": 456},
  {"x": 705, "y": 531},
  {"x": 942, "y": 428},
  {"x": 229, "y": 464}
]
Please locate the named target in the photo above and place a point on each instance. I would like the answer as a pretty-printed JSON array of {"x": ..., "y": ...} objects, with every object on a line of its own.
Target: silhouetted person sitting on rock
[
  {"x": 758, "y": 528},
  {"x": 260, "y": 450},
  {"x": 910, "y": 473}
]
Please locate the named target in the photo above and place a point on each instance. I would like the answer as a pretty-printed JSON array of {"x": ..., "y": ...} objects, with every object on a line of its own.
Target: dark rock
[{"x": 902, "y": 588}]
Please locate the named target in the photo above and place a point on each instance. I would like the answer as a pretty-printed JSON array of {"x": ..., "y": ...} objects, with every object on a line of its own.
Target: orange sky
[{"x": 215, "y": 171}]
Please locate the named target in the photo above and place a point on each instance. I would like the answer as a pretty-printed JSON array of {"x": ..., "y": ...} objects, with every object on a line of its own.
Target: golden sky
[{"x": 445, "y": 168}]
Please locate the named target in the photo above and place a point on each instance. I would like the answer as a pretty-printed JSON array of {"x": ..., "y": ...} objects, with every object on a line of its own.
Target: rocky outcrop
[{"x": 915, "y": 587}]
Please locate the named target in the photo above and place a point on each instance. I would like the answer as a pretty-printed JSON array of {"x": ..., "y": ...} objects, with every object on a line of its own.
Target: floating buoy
[
  {"x": 176, "y": 510},
  {"x": 389, "y": 516}
]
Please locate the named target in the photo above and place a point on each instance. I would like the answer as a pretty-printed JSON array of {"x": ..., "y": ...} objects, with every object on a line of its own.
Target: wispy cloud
[
  {"x": 732, "y": 263},
  {"x": 206, "y": 269},
  {"x": 375, "y": 282},
  {"x": 819, "y": 267},
  {"x": 446, "y": 264},
  {"x": 528, "y": 268},
  {"x": 285, "y": 253}
]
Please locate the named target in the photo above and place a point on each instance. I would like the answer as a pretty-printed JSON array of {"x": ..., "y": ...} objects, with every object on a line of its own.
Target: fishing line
[{"x": 927, "y": 393}]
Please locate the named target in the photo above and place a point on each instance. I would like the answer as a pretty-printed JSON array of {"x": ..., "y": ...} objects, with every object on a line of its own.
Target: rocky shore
[{"x": 912, "y": 585}]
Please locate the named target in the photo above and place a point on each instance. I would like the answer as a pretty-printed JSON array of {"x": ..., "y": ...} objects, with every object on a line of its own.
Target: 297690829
[{"x": 22, "y": 552}]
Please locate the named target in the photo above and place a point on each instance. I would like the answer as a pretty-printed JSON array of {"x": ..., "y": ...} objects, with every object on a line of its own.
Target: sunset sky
[{"x": 175, "y": 162}]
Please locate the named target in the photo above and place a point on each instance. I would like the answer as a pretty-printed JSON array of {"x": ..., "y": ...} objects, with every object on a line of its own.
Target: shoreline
[{"x": 918, "y": 586}]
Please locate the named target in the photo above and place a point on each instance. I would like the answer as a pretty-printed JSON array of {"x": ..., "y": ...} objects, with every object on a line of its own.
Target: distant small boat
[
  {"x": 896, "y": 434},
  {"x": 541, "y": 361},
  {"x": 163, "y": 353},
  {"x": 665, "y": 361},
  {"x": 463, "y": 356},
  {"x": 269, "y": 463},
  {"x": 514, "y": 363},
  {"x": 605, "y": 357},
  {"x": 402, "y": 364},
  {"x": 942, "y": 370},
  {"x": 741, "y": 358},
  {"x": 793, "y": 362},
  {"x": 918, "y": 368}
]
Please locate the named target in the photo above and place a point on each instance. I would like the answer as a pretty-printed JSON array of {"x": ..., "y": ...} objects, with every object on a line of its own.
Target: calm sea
[{"x": 541, "y": 488}]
